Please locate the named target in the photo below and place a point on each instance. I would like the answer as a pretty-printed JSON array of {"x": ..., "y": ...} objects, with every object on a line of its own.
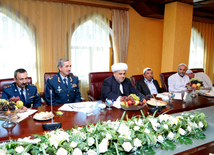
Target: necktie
[
  {"x": 65, "y": 83},
  {"x": 22, "y": 96}
]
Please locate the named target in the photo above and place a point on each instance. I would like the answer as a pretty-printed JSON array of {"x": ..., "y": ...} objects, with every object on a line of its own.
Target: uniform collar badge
[
  {"x": 71, "y": 80},
  {"x": 59, "y": 80}
]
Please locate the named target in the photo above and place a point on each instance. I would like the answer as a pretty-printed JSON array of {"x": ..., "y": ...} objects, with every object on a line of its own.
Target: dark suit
[
  {"x": 32, "y": 97},
  {"x": 111, "y": 89},
  {"x": 143, "y": 88},
  {"x": 61, "y": 94}
]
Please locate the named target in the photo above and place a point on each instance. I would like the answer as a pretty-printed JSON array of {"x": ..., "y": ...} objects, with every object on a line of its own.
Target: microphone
[{"x": 52, "y": 125}]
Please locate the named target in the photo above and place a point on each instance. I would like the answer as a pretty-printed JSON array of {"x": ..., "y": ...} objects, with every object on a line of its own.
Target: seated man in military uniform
[
  {"x": 63, "y": 87},
  {"x": 27, "y": 92},
  {"x": 118, "y": 85}
]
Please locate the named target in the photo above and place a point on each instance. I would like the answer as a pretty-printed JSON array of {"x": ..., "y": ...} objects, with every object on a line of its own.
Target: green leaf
[
  {"x": 142, "y": 114},
  {"x": 97, "y": 145},
  {"x": 43, "y": 149},
  {"x": 121, "y": 120},
  {"x": 26, "y": 149},
  {"x": 169, "y": 145},
  {"x": 147, "y": 151},
  {"x": 115, "y": 145},
  {"x": 185, "y": 140}
]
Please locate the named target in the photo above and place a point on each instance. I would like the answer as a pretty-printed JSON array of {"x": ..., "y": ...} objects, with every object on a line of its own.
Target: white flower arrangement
[{"x": 137, "y": 135}]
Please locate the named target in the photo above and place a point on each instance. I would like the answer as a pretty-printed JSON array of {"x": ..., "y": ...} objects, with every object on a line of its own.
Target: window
[
  {"x": 196, "y": 55},
  {"x": 17, "y": 47},
  {"x": 89, "y": 50}
]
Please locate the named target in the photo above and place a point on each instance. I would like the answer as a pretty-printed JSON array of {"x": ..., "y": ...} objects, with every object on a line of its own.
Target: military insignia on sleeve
[{"x": 59, "y": 89}]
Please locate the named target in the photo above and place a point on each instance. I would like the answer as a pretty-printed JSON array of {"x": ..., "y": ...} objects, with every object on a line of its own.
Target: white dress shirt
[
  {"x": 151, "y": 86},
  {"x": 24, "y": 91},
  {"x": 207, "y": 83},
  {"x": 177, "y": 83}
]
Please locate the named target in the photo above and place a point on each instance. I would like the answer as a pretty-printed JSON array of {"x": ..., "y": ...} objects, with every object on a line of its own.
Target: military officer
[
  {"x": 63, "y": 86},
  {"x": 27, "y": 92}
]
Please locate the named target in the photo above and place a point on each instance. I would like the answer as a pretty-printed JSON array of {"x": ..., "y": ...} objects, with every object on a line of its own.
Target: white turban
[
  {"x": 147, "y": 68},
  {"x": 119, "y": 67},
  {"x": 189, "y": 71}
]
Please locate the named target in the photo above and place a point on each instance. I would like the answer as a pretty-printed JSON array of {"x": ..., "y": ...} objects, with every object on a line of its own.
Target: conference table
[{"x": 69, "y": 119}]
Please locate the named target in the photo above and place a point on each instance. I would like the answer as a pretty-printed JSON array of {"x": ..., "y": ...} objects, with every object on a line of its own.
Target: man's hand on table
[{"x": 23, "y": 109}]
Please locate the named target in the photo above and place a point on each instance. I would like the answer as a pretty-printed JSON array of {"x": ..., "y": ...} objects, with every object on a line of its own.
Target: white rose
[
  {"x": 91, "y": 152},
  {"x": 165, "y": 126},
  {"x": 139, "y": 122},
  {"x": 73, "y": 144},
  {"x": 200, "y": 124},
  {"x": 26, "y": 153},
  {"x": 61, "y": 151},
  {"x": 195, "y": 125},
  {"x": 19, "y": 149},
  {"x": 3, "y": 152},
  {"x": 90, "y": 141},
  {"x": 131, "y": 123},
  {"x": 189, "y": 128},
  {"x": 91, "y": 130},
  {"x": 103, "y": 146},
  {"x": 37, "y": 140},
  {"x": 127, "y": 146},
  {"x": 136, "y": 128},
  {"x": 170, "y": 136},
  {"x": 160, "y": 138},
  {"x": 181, "y": 131},
  {"x": 77, "y": 151},
  {"x": 108, "y": 136},
  {"x": 137, "y": 142},
  {"x": 147, "y": 130}
]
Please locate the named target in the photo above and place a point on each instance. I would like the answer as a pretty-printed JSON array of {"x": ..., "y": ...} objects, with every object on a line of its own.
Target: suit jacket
[
  {"x": 61, "y": 94},
  {"x": 143, "y": 88},
  {"x": 111, "y": 88},
  {"x": 32, "y": 97}
]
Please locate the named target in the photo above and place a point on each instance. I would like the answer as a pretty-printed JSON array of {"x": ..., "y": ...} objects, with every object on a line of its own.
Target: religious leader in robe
[{"x": 118, "y": 85}]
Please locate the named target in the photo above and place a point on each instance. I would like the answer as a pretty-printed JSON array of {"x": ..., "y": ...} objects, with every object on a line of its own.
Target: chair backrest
[
  {"x": 195, "y": 70},
  {"x": 95, "y": 83},
  {"x": 49, "y": 74},
  {"x": 4, "y": 82},
  {"x": 135, "y": 78},
  {"x": 164, "y": 77},
  {"x": 164, "y": 80}
]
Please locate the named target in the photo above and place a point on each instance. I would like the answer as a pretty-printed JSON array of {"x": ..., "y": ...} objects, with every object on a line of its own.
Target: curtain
[
  {"x": 52, "y": 25},
  {"x": 89, "y": 42},
  {"x": 207, "y": 32},
  {"x": 120, "y": 28},
  {"x": 196, "y": 55},
  {"x": 17, "y": 42}
]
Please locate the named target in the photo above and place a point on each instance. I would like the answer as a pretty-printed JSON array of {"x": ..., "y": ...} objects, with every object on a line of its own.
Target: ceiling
[{"x": 203, "y": 10}]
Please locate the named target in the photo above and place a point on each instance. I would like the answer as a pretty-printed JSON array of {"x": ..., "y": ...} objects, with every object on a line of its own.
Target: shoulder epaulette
[
  {"x": 54, "y": 76},
  {"x": 8, "y": 86},
  {"x": 30, "y": 84}
]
